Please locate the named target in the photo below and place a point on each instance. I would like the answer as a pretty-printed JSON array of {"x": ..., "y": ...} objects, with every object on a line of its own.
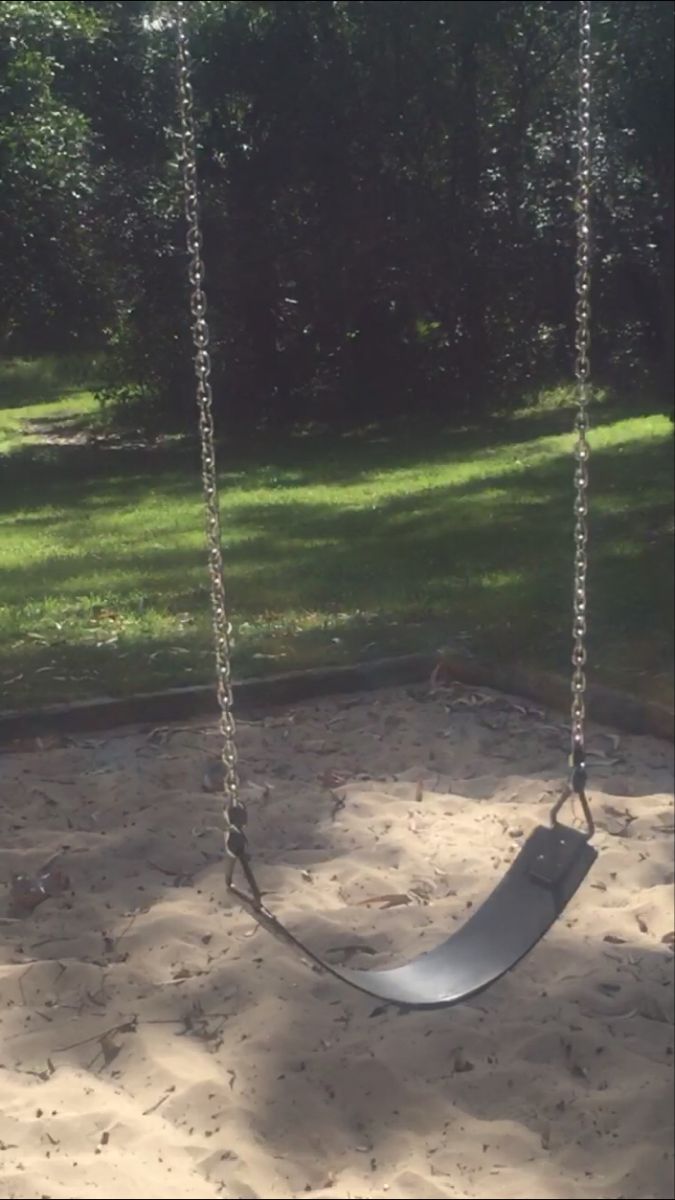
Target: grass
[
  {"x": 29, "y": 381},
  {"x": 49, "y": 388},
  {"x": 16, "y": 424},
  {"x": 337, "y": 548}
]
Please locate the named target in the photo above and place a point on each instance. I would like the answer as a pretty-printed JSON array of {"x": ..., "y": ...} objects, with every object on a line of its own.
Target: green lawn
[{"x": 337, "y": 548}]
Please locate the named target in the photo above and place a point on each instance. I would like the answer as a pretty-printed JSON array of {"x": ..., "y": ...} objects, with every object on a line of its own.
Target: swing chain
[
  {"x": 235, "y": 813},
  {"x": 234, "y": 808},
  {"x": 583, "y": 374},
  {"x": 582, "y": 371}
]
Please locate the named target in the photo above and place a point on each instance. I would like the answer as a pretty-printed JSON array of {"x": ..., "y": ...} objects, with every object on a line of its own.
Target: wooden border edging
[
  {"x": 180, "y": 704},
  {"x": 608, "y": 707},
  {"x": 605, "y": 705}
]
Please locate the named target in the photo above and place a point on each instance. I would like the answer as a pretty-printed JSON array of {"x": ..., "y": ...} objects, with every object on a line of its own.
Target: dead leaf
[
  {"x": 614, "y": 940},
  {"x": 422, "y": 891},
  {"x": 389, "y": 900},
  {"x": 29, "y": 891},
  {"x": 612, "y": 811},
  {"x": 461, "y": 1065},
  {"x": 158, "y": 736},
  {"x": 609, "y": 989},
  {"x": 109, "y": 1049},
  {"x": 344, "y": 953},
  {"x": 435, "y": 676},
  {"x": 668, "y": 939},
  {"x": 651, "y": 1010},
  {"x": 332, "y": 779}
]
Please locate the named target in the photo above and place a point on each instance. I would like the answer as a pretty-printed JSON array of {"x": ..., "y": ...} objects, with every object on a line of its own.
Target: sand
[{"x": 154, "y": 1042}]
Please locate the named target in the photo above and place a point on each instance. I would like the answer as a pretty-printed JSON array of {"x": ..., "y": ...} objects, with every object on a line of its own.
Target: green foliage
[
  {"x": 49, "y": 286},
  {"x": 387, "y": 198}
]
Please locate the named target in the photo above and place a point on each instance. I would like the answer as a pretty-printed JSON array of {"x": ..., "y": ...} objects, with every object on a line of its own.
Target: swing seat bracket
[{"x": 551, "y": 853}]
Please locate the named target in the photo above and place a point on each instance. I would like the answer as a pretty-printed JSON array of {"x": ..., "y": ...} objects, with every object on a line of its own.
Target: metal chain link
[
  {"x": 583, "y": 376},
  {"x": 233, "y": 806}
]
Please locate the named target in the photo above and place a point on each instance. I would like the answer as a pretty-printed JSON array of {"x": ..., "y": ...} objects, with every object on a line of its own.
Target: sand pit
[{"x": 154, "y": 1042}]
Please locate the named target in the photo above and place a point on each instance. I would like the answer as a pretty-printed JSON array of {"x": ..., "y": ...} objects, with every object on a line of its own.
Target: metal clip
[
  {"x": 237, "y": 853},
  {"x": 576, "y": 786}
]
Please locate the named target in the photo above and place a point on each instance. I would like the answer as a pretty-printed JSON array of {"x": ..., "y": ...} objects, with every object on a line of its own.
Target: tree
[
  {"x": 387, "y": 197},
  {"x": 50, "y": 286}
]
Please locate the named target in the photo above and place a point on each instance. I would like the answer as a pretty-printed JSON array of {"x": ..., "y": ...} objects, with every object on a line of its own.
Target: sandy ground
[{"x": 154, "y": 1042}]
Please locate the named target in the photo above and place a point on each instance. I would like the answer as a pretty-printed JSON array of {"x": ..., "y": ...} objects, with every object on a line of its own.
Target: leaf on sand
[
  {"x": 345, "y": 953},
  {"x": 605, "y": 758},
  {"x": 332, "y": 779},
  {"x": 462, "y": 1065},
  {"x": 651, "y": 1009},
  {"x": 614, "y": 739},
  {"x": 29, "y": 891},
  {"x": 435, "y": 677},
  {"x": 109, "y": 1049},
  {"x": 389, "y": 900},
  {"x": 625, "y": 815}
]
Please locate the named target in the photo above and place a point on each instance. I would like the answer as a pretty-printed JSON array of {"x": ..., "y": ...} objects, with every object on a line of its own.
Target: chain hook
[{"x": 576, "y": 786}]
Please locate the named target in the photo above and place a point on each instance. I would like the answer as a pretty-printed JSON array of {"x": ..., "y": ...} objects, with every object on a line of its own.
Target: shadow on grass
[
  {"x": 25, "y": 382},
  {"x": 330, "y": 458},
  {"x": 489, "y": 557}
]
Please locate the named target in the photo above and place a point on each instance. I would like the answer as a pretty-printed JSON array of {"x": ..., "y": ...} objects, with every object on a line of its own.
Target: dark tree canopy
[{"x": 388, "y": 198}]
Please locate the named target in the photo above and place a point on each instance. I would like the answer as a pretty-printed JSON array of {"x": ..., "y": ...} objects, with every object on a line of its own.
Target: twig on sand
[{"x": 123, "y": 1027}]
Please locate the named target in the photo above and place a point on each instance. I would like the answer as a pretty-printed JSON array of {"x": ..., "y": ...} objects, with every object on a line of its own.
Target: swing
[{"x": 556, "y": 858}]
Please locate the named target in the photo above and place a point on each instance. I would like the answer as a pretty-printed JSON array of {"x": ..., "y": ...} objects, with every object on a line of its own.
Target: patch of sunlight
[
  {"x": 15, "y": 431},
  {"x": 625, "y": 549},
  {"x": 557, "y": 399},
  {"x": 611, "y": 504},
  {"x": 500, "y": 579},
  {"x": 384, "y": 483}
]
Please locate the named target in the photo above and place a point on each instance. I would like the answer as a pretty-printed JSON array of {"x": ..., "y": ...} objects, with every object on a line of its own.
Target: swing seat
[
  {"x": 524, "y": 905},
  {"x": 556, "y": 859}
]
